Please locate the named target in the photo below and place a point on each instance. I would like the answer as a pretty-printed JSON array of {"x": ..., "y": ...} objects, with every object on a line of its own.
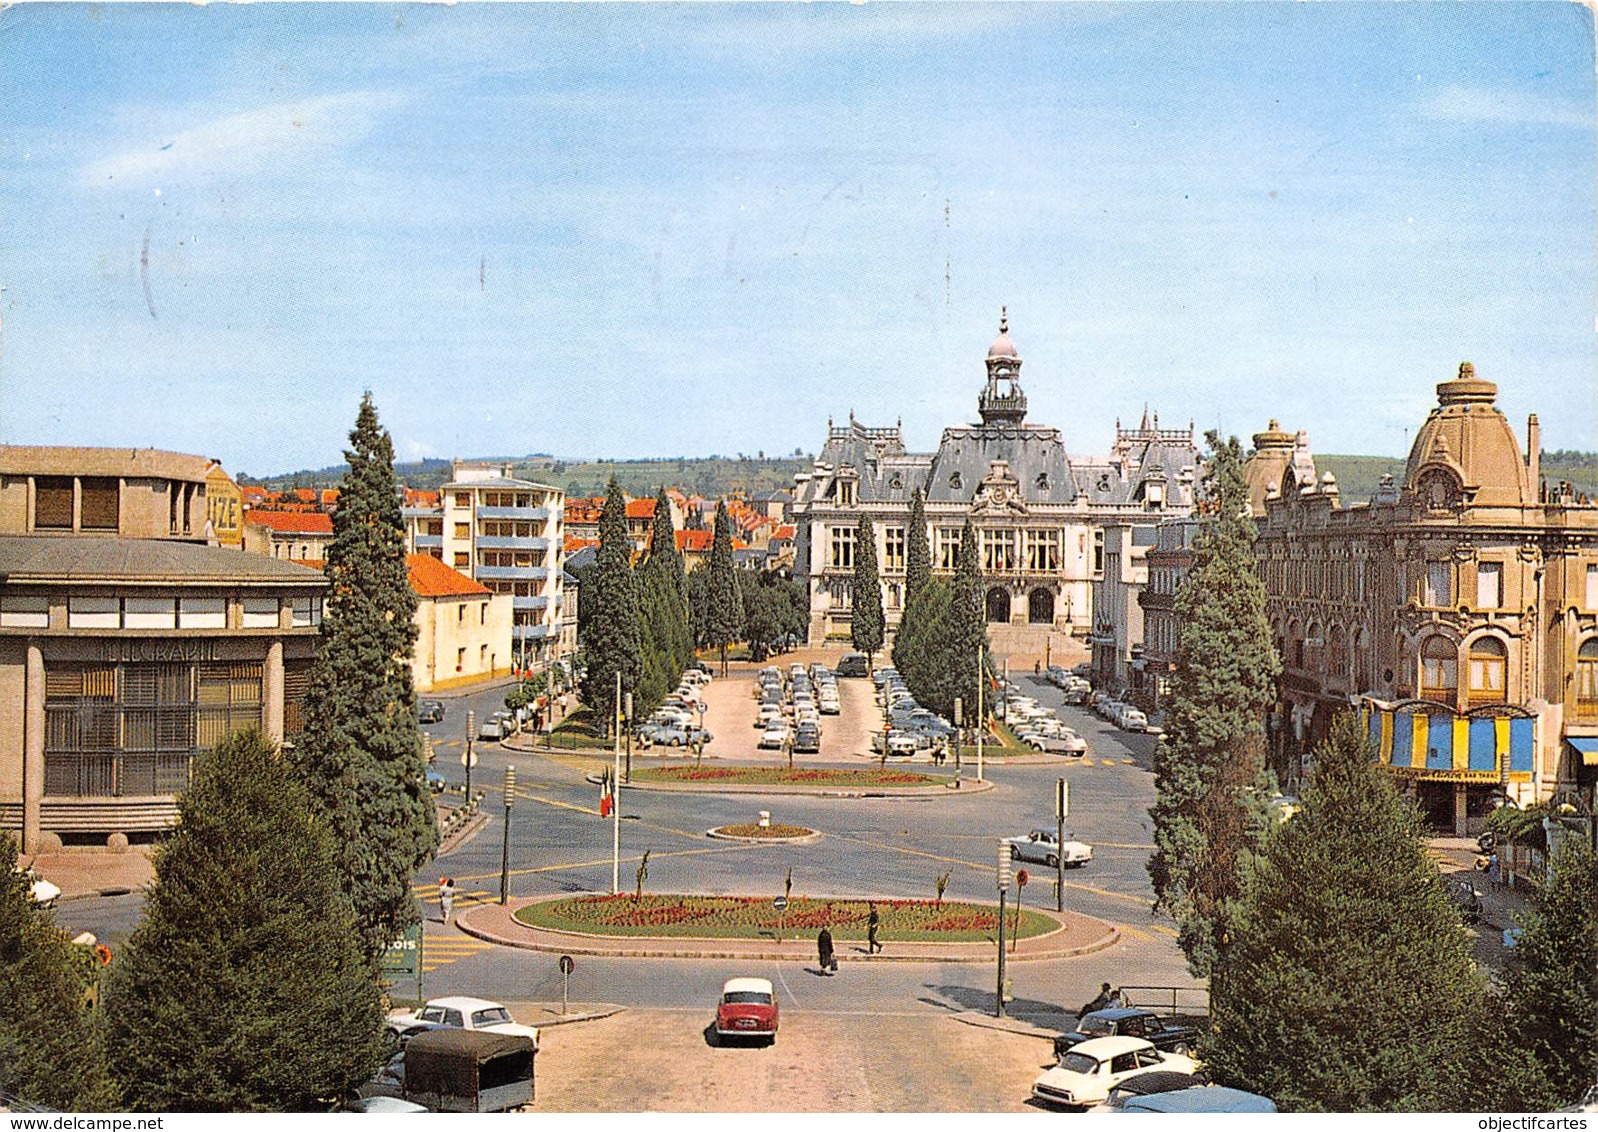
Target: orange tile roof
[
  {"x": 415, "y": 497},
  {"x": 330, "y": 497},
  {"x": 303, "y": 495},
  {"x": 584, "y": 509},
  {"x": 640, "y": 508},
  {"x": 311, "y": 563},
  {"x": 573, "y": 543},
  {"x": 292, "y": 522},
  {"x": 784, "y": 531},
  {"x": 431, "y": 578},
  {"x": 697, "y": 542}
]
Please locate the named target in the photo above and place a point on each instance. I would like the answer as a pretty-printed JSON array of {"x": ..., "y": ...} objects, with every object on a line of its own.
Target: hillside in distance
[{"x": 716, "y": 476}]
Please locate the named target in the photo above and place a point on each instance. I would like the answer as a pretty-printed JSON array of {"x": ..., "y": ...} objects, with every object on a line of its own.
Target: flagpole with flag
[{"x": 615, "y": 808}]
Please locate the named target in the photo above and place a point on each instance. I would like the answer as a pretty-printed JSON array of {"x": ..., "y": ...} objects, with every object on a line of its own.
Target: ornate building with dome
[
  {"x": 1040, "y": 513},
  {"x": 1458, "y": 609}
]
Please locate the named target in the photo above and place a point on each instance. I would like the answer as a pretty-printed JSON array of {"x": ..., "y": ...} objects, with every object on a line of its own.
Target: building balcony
[
  {"x": 421, "y": 512},
  {"x": 1148, "y": 599},
  {"x": 429, "y": 542},
  {"x": 538, "y": 514},
  {"x": 496, "y": 542},
  {"x": 534, "y": 603},
  {"x": 511, "y": 573},
  {"x": 531, "y": 632}
]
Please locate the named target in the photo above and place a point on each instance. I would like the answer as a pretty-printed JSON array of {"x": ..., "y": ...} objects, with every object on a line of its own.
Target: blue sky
[{"x": 652, "y": 230}]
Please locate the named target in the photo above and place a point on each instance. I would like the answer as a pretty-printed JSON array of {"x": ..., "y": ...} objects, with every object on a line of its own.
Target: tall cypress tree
[
  {"x": 865, "y": 618},
  {"x": 361, "y": 752},
  {"x": 664, "y": 569},
  {"x": 965, "y": 630},
  {"x": 724, "y": 615},
  {"x": 614, "y": 640},
  {"x": 1348, "y": 984},
  {"x": 916, "y": 617},
  {"x": 1553, "y": 981},
  {"x": 51, "y": 1051},
  {"x": 245, "y": 987},
  {"x": 1210, "y": 763},
  {"x": 917, "y": 554}
]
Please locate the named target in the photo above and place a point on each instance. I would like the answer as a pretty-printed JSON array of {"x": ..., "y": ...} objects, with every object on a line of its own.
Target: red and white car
[{"x": 748, "y": 1009}]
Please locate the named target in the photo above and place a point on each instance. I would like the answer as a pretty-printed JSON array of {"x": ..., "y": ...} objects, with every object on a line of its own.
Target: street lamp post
[
  {"x": 628, "y": 701},
  {"x": 981, "y": 675},
  {"x": 471, "y": 731},
  {"x": 504, "y": 848},
  {"x": 1003, "y": 879}
]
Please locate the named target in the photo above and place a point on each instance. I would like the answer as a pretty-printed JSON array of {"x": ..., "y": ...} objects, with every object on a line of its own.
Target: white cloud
[
  {"x": 240, "y": 142},
  {"x": 1474, "y": 105}
]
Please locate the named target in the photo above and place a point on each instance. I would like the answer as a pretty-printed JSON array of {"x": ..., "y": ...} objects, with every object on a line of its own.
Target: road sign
[
  {"x": 567, "y": 965},
  {"x": 1021, "y": 878},
  {"x": 566, "y": 968},
  {"x": 1003, "y": 877},
  {"x": 780, "y": 903},
  {"x": 469, "y": 759},
  {"x": 1062, "y": 799},
  {"x": 403, "y": 959}
]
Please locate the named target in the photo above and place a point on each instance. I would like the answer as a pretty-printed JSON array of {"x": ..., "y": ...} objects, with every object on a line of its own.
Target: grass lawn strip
[
  {"x": 783, "y": 776},
  {"x": 753, "y": 917}
]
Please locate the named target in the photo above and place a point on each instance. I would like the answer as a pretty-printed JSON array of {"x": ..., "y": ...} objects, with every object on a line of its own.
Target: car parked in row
[
  {"x": 1087, "y": 1072},
  {"x": 457, "y": 1012},
  {"x": 429, "y": 711},
  {"x": 1171, "y": 1034}
]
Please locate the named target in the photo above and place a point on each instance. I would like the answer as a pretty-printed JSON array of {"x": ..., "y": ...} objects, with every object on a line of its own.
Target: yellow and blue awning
[
  {"x": 1586, "y": 746},
  {"x": 1433, "y": 742}
]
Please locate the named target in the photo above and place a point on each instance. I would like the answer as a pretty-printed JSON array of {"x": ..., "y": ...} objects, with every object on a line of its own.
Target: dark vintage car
[
  {"x": 429, "y": 711},
  {"x": 1170, "y": 1034}
]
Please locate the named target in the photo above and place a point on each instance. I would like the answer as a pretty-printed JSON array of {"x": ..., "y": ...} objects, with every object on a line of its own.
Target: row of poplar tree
[
  {"x": 1341, "y": 977},
  {"x": 641, "y": 617},
  {"x": 942, "y": 635},
  {"x": 251, "y": 982}
]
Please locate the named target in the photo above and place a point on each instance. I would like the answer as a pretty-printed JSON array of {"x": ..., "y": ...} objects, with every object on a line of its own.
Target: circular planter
[{"x": 774, "y": 834}]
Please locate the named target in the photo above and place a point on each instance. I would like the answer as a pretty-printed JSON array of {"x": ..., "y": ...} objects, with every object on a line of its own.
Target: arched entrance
[
  {"x": 998, "y": 604},
  {"x": 1040, "y": 607}
]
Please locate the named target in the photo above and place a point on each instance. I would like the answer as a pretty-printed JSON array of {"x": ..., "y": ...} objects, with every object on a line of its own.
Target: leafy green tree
[
  {"x": 613, "y": 644},
  {"x": 246, "y": 986},
  {"x": 908, "y": 636},
  {"x": 866, "y": 626},
  {"x": 1347, "y": 983},
  {"x": 1553, "y": 981},
  {"x": 1211, "y": 760},
  {"x": 361, "y": 752},
  {"x": 51, "y": 1048},
  {"x": 724, "y": 615}
]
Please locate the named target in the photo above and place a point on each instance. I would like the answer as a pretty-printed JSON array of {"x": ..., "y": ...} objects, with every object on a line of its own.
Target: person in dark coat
[
  {"x": 872, "y": 946},
  {"x": 829, "y": 962},
  {"x": 1105, "y": 999}
]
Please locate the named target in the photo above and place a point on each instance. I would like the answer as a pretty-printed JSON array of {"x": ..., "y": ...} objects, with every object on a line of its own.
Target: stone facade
[
  {"x": 1040, "y": 513},
  {"x": 1458, "y": 608}
]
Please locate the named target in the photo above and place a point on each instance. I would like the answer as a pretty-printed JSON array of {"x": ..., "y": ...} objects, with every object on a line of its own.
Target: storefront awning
[{"x": 1586, "y": 746}]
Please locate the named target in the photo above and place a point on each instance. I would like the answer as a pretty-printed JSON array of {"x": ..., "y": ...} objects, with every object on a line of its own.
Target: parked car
[
  {"x": 1146, "y": 1085},
  {"x": 854, "y": 664},
  {"x": 492, "y": 728},
  {"x": 1053, "y": 745},
  {"x": 1040, "y": 846},
  {"x": 1087, "y": 1072},
  {"x": 1133, "y": 720},
  {"x": 429, "y": 711},
  {"x": 1199, "y": 1098},
  {"x": 1131, "y": 1022},
  {"x": 773, "y": 738},
  {"x": 679, "y": 735},
  {"x": 470, "y": 1071},
  {"x": 829, "y": 705},
  {"x": 748, "y": 1009},
  {"x": 462, "y": 1013},
  {"x": 807, "y": 739}
]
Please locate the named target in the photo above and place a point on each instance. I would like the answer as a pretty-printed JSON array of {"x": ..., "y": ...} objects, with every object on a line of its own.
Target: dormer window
[
  {"x": 955, "y": 482},
  {"x": 846, "y": 493},
  {"x": 896, "y": 483},
  {"x": 1043, "y": 481}
]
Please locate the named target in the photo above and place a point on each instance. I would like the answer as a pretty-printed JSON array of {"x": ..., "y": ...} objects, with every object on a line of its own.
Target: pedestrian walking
[
  {"x": 824, "y": 954},
  {"x": 872, "y": 919},
  {"x": 1493, "y": 873},
  {"x": 446, "y": 898}
]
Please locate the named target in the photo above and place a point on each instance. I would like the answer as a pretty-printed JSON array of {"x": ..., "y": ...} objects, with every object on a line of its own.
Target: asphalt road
[{"x": 882, "y": 847}]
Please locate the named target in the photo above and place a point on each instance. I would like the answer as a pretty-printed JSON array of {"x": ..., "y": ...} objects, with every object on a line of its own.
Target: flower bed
[
  {"x": 771, "y": 832},
  {"x": 753, "y": 917},
  {"x": 848, "y": 778}
]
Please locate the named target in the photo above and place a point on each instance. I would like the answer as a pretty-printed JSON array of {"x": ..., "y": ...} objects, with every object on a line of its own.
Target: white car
[
  {"x": 768, "y": 716},
  {"x": 1089, "y": 1070},
  {"x": 1040, "y": 847},
  {"x": 774, "y": 737},
  {"x": 461, "y": 1013},
  {"x": 1132, "y": 720},
  {"x": 43, "y": 893}
]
